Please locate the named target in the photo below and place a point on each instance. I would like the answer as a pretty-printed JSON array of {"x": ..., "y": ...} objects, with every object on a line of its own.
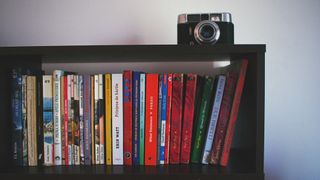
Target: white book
[
  {"x": 57, "y": 117},
  {"x": 117, "y": 119}
]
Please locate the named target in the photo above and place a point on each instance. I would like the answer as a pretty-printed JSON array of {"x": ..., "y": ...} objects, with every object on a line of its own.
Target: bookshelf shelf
[{"x": 247, "y": 154}]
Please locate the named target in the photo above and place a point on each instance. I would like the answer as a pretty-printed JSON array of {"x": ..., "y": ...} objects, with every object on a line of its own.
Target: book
[
  {"x": 81, "y": 117},
  {"x": 76, "y": 121},
  {"x": 136, "y": 118},
  {"x": 93, "y": 159},
  {"x": 168, "y": 120},
  {"x": 151, "y": 119},
  {"x": 48, "y": 120},
  {"x": 201, "y": 125},
  {"x": 223, "y": 118},
  {"x": 87, "y": 118},
  {"x": 24, "y": 120},
  {"x": 64, "y": 139},
  {"x": 160, "y": 78},
  {"x": 101, "y": 119},
  {"x": 220, "y": 83},
  {"x": 117, "y": 119},
  {"x": 96, "y": 120},
  {"x": 69, "y": 114},
  {"x": 188, "y": 117},
  {"x": 163, "y": 117},
  {"x": 234, "y": 113},
  {"x": 108, "y": 128},
  {"x": 176, "y": 117},
  {"x": 127, "y": 117},
  {"x": 39, "y": 123},
  {"x": 142, "y": 108},
  {"x": 32, "y": 121}
]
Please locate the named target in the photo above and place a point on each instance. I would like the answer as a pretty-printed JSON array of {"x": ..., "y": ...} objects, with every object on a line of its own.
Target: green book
[{"x": 202, "y": 119}]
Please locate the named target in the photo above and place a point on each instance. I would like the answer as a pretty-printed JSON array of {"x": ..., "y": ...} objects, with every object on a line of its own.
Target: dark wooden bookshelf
[{"x": 247, "y": 153}]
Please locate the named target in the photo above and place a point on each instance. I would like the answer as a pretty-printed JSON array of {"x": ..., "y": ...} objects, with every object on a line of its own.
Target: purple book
[{"x": 87, "y": 119}]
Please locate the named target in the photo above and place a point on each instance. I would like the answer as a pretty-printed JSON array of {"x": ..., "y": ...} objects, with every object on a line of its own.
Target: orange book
[{"x": 151, "y": 119}]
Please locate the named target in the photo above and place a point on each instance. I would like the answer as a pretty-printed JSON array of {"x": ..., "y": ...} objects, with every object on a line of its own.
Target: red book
[
  {"x": 188, "y": 116},
  {"x": 223, "y": 118},
  {"x": 127, "y": 117},
  {"x": 168, "y": 122},
  {"x": 151, "y": 130},
  {"x": 233, "y": 114},
  {"x": 176, "y": 118},
  {"x": 65, "y": 119}
]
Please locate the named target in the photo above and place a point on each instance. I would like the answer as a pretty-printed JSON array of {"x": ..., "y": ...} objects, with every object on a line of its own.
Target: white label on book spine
[{"x": 117, "y": 119}]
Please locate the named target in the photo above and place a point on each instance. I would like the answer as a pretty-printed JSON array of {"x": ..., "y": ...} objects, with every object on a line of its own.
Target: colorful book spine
[
  {"x": 163, "y": 120},
  {"x": 188, "y": 117},
  {"x": 201, "y": 125},
  {"x": 24, "y": 120},
  {"x": 176, "y": 121},
  {"x": 81, "y": 123},
  {"x": 64, "y": 139},
  {"x": 48, "y": 120},
  {"x": 136, "y": 118},
  {"x": 69, "y": 113},
  {"x": 151, "y": 119},
  {"x": 127, "y": 117},
  {"x": 101, "y": 119},
  {"x": 96, "y": 120},
  {"x": 93, "y": 158},
  {"x": 108, "y": 129},
  {"x": 234, "y": 114},
  {"x": 223, "y": 118},
  {"x": 168, "y": 120},
  {"x": 16, "y": 110},
  {"x": 220, "y": 83},
  {"x": 159, "y": 117},
  {"x": 76, "y": 121},
  {"x": 57, "y": 117},
  {"x": 87, "y": 118},
  {"x": 117, "y": 119},
  {"x": 32, "y": 121},
  {"x": 142, "y": 115}
]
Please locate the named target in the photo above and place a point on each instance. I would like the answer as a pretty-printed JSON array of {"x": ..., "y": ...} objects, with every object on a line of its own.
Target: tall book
[
  {"x": 219, "y": 87},
  {"x": 93, "y": 144},
  {"x": 234, "y": 113},
  {"x": 117, "y": 119},
  {"x": 87, "y": 119},
  {"x": 159, "y": 117},
  {"x": 223, "y": 118},
  {"x": 101, "y": 119},
  {"x": 168, "y": 120},
  {"x": 39, "y": 124},
  {"x": 32, "y": 121},
  {"x": 176, "y": 117},
  {"x": 151, "y": 120},
  {"x": 24, "y": 120},
  {"x": 64, "y": 139},
  {"x": 136, "y": 118},
  {"x": 202, "y": 120},
  {"x": 48, "y": 120},
  {"x": 76, "y": 121},
  {"x": 127, "y": 117},
  {"x": 96, "y": 120},
  {"x": 142, "y": 108},
  {"x": 81, "y": 122},
  {"x": 69, "y": 113},
  {"x": 163, "y": 118},
  {"x": 108, "y": 127},
  {"x": 188, "y": 117}
]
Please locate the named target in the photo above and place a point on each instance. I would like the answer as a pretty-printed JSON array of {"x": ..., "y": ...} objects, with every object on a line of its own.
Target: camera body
[{"x": 205, "y": 29}]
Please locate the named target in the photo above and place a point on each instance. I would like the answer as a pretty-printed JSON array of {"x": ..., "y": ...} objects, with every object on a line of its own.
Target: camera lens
[{"x": 206, "y": 32}]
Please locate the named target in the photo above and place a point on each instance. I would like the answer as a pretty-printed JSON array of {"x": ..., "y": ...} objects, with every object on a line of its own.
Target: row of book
[{"x": 129, "y": 118}]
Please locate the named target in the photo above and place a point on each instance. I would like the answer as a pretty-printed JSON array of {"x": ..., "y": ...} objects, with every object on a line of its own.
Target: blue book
[
  {"x": 136, "y": 118},
  {"x": 159, "y": 117},
  {"x": 220, "y": 82},
  {"x": 162, "y": 124},
  {"x": 142, "y": 115}
]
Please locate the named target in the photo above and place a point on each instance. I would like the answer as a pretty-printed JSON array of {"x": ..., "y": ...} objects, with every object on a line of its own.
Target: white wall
[{"x": 290, "y": 28}]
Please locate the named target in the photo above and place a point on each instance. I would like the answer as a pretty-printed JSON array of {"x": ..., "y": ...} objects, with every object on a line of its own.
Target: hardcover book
[{"x": 159, "y": 116}]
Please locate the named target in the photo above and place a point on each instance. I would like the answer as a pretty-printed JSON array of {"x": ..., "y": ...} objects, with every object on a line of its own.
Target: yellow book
[{"x": 108, "y": 119}]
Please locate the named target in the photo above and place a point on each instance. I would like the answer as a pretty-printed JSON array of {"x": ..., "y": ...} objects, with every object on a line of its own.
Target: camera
[{"x": 205, "y": 29}]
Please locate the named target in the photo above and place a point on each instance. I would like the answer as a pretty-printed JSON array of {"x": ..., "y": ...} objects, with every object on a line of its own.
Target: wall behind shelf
[{"x": 290, "y": 28}]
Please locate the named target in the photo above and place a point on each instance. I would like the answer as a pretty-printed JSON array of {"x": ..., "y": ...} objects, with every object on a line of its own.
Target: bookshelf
[{"x": 247, "y": 153}]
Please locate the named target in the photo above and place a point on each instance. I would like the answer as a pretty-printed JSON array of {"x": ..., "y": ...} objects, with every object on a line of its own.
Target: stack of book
[{"x": 130, "y": 118}]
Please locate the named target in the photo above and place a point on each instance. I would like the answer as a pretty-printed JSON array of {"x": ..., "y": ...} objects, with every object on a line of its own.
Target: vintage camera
[{"x": 205, "y": 29}]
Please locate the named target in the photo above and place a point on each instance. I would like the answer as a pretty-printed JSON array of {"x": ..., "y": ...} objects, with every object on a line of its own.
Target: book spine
[
  {"x": 127, "y": 117},
  {"x": 117, "y": 119},
  {"x": 101, "y": 119},
  {"x": 81, "y": 102},
  {"x": 96, "y": 119},
  {"x": 168, "y": 120},
  {"x": 63, "y": 129},
  {"x": 76, "y": 121},
  {"x": 221, "y": 80},
  {"x": 64, "y": 87},
  {"x": 69, "y": 114},
  {"x": 151, "y": 119},
  {"x": 16, "y": 109},
  {"x": 87, "y": 118},
  {"x": 32, "y": 121},
  {"x": 136, "y": 118},
  {"x": 176, "y": 121},
  {"x": 93, "y": 158},
  {"x": 201, "y": 125},
  {"x": 39, "y": 123},
  {"x": 108, "y": 129},
  {"x": 164, "y": 85},
  {"x": 159, "y": 117},
  {"x": 142, "y": 115},
  {"x": 188, "y": 117},
  {"x": 24, "y": 120},
  {"x": 223, "y": 118},
  {"x": 57, "y": 117},
  {"x": 48, "y": 120},
  {"x": 233, "y": 114}
]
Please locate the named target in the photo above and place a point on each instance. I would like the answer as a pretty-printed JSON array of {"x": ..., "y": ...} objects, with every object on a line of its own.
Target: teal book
[{"x": 142, "y": 115}]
